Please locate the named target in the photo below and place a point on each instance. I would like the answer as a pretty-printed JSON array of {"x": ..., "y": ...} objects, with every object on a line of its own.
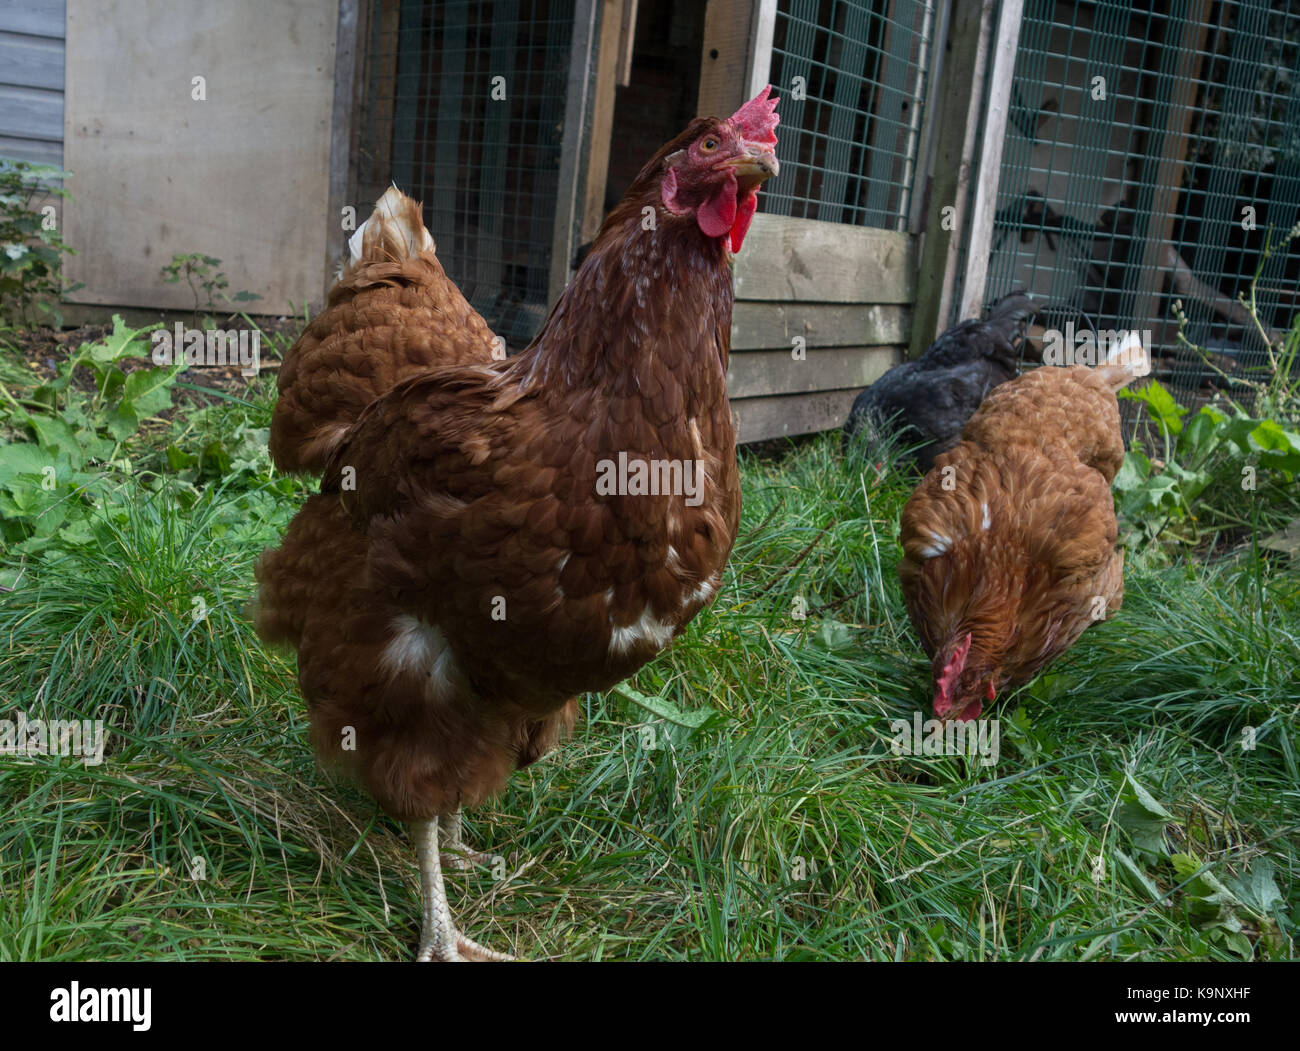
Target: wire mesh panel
[
  {"x": 464, "y": 110},
  {"x": 851, "y": 74},
  {"x": 1148, "y": 152}
]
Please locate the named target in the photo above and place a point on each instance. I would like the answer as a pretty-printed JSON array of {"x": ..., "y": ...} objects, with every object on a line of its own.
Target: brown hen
[
  {"x": 493, "y": 538},
  {"x": 1009, "y": 541}
]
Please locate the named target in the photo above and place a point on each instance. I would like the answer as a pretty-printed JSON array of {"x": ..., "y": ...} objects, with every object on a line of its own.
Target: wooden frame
[
  {"x": 960, "y": 96},
  {"x": 997, "y": 105},
  {"x": 594, "y": 61},
  {"x": 737, "y": 54},
  {"x": 348, "y": 67}
]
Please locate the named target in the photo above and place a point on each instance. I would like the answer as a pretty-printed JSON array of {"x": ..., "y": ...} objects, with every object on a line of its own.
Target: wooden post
[
  {"x": 959, "y": 98},
  {"x": 737, "y": 59},
  {"x": 626, "y": 43},
  {"x": 1168, "y": 177},
  {"x": 573, "y": 145},
  {"x": 985, "y": 203},
  {"x": 347, "y": 71},
  {"x": 607, "y": 59},
  {"x": 588, "y": 127}
]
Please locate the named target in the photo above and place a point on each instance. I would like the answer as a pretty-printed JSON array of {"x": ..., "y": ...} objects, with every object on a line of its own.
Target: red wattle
[
  {"x": 718, "y": 213},
  {"x": 744, "y": 214}
]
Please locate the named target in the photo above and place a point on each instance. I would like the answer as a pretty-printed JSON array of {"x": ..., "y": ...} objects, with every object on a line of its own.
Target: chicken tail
[
  {"x": 1125, "y": 362},
  {"x": 394, "y": 231},
  {"x": 1013, "y": 308},
  {"x": 393, "y": 314}
]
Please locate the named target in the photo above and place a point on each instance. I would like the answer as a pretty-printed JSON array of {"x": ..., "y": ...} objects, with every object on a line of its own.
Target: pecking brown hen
[
  {"x": 1009, "y": 541},
  {"x": 492, "y": 537}
]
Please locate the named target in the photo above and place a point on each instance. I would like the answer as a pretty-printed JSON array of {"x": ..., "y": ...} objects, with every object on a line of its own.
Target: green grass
[{"x": 785, "y": 829}]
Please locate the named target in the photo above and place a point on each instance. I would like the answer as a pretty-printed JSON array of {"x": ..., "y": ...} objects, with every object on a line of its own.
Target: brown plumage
[
  {"x": 393, "y": 314},
  {"x": 464, "y": 574},
  {"x": 1009, "y": 541}
]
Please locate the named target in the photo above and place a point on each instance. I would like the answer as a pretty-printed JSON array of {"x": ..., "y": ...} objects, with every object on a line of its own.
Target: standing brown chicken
[
  {"x": 1009, "y": 541},
  {"x": 493, "y": 538}
]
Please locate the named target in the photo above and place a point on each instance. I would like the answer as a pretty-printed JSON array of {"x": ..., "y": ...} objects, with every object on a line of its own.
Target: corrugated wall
[{"x": 31, "y": 80}]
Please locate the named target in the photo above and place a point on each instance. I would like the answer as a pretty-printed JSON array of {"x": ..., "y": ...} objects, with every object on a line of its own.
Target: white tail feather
[
  {"x": 395, "y": 225},
  {"x": 1126, "y": 361}
]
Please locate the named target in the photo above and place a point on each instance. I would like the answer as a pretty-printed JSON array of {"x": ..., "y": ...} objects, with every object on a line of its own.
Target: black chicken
[{"x": 927, "y": 402}]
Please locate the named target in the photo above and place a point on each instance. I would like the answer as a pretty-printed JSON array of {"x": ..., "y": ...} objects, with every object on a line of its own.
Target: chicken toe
[{"x": 457, "y": 854}]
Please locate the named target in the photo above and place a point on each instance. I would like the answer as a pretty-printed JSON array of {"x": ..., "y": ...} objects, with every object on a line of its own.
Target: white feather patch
[
  {"x": 939, "y": 545},
  {"x": 987, "y": 520},
  {"x": 701, "y": 594},
  {"x": 418, "y": 647},
  {"x": 647, "y": 629}
]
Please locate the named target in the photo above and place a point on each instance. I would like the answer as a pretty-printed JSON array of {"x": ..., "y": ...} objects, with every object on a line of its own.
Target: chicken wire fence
[
  {"x": 1148, "y": 154},
  {"x": 851, "y": 122},
  {"x": 463, "y": 108}
]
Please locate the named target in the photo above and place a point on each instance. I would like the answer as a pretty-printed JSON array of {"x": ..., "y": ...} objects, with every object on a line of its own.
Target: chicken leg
[
  {"x": 456, "y": 852},
  {"x": 439, "y": 938}
]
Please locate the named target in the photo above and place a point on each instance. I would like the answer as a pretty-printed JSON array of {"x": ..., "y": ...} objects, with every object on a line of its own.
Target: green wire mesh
[
  {"x": 1157, "y": 183},
  {"x": 486, "y": 169},
  {"x": 848, "y": 148}
]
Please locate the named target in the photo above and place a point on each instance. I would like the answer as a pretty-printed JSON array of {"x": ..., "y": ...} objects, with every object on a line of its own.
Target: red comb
[
  {"x": 757, "y": 119},
  {"x": 955, "y": 665}
]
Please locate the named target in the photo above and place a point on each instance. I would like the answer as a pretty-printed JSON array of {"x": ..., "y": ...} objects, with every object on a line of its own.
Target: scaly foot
[
  {"x": 439, "y": 938},
  {"x": 458, "y": 854}
]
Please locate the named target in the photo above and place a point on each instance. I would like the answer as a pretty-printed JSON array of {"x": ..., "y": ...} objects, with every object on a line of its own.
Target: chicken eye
[{"x": 709, "y": 145}]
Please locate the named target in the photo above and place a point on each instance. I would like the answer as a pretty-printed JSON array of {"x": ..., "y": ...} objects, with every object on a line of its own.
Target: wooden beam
[
  {"x": 346, "y": 79},
  {"x": 784, "y": 417},
  {"x": 959, "y": 103},
  {"x": 801, "y": 259},
  {"x": 737, "y": 54},
  {"x": 758, "y": 373},
  {"x": 1185, "y": 55},
  {"x": 573, "y": 147},
  {"x": 925, "y": 97},
  {"x": 626, "y": 43},
  {"x": 773, "y": 326},
  {"x": 602, "y": 122},
  {"x": 985, "y": 204},
  {"x": 383, "y": 61}
]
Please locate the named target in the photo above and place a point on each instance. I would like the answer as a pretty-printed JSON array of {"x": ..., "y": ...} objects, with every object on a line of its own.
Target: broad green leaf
[
  {"x": 1143, "y": 818},
  {"x": 666, "y": 710},
  {"x": 24, "y": 458},
  {"x": 1167, "y": 413},
  {"x": 147, "y": 391}
]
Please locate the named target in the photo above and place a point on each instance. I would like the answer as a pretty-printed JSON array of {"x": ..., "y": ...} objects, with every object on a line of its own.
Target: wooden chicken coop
[
  {"x": 519, "y": 151},
  {"x": 1112, "y": 158}
]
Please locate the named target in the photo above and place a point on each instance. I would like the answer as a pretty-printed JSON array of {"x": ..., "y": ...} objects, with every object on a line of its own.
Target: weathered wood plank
[
  {"x": 768, "y": 326},
  {"x": 761, "y": 418},
  {"x": 801, "y": 259},
  {"x": 31, "y": 113},
  {"x": 760, "y": 373},
  {"x": 35, "y": 17},
  {"x": 31, "y": 61}
]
